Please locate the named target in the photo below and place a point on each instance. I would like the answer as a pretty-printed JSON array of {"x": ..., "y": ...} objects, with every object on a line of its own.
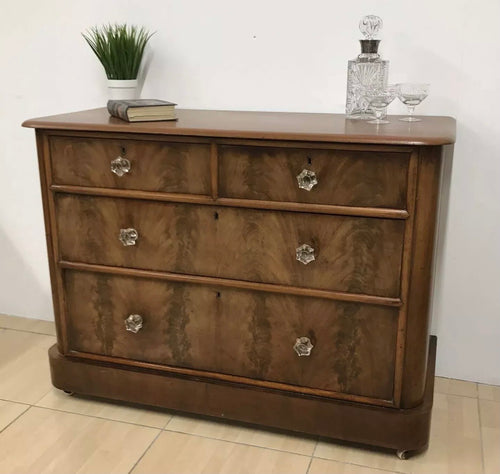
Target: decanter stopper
[{"x": 370, "y": 25}]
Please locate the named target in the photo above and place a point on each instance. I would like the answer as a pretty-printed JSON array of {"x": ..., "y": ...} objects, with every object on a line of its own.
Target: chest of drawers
[{"x": 269, "y": 268}]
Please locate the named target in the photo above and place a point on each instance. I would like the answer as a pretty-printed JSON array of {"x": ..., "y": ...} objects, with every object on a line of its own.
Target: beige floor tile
[
  {"x": 180, "y": 453},
  {"x": 24, "y": 365},
  {"x": 490, "y": 430},
  {"x": 242, "y": 434},
  {"x": 455, "y": 443},
  {"x": 9, "y": 411},
  {"x": 455, "y": 387},
  {"x": 322, "y": 466},
  {"x": 489, "y": 392},
  {"x": 374, "y": 459},
  {"x": 26, "y": 324},
  {"x": 47, "y": 441},
  {"x": 59, "y": 400}
]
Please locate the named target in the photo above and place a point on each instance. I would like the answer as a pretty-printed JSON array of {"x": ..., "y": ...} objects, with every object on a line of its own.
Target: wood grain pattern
[
  {"x": 237, "y": 332},
  {"x": 347, "y": 178},
  {"x": 417, "y": 319},
  {"x": 358, "y": 255},
  {"x": 155, "y": 166},
  {"x": 406, "y": 429},
  {"x": 406, "y": 275},
  {"x": 214, "y": 270},
  {"x": 202, "y": 199},
  {"x": 51, "y": 239},
  {"x": 226, "y": 282},
  {"x": 332, "y": 128}
]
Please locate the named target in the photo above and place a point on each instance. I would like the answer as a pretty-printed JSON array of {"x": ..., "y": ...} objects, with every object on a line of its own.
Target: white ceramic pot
[{"x": 123, "y": 89}]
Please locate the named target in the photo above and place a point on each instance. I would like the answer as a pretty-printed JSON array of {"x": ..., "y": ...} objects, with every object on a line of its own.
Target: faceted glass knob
[
  {"x": 128, "y": 236},
  {"x": 133, "y": 323},
  {"x": 120, "y": 166},
  {"x": 307, "y": 180},
  {"x": 303, "y": 346},
  {"x": 305, "y": 254},
  {"x": 370, "y": 25}
]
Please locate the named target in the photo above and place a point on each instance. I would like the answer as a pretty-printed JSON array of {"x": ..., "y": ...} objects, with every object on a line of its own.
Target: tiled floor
[{"x": 43, "y": 430}]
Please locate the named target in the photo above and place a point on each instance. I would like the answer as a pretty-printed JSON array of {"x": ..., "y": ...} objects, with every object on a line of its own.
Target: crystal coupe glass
[
  {"x": 379, "y": 99},
  {"x": 411, "y": 94}
]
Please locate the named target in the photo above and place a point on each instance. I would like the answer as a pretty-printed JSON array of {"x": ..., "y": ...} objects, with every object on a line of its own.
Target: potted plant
[{"x": 120, "y": 49}]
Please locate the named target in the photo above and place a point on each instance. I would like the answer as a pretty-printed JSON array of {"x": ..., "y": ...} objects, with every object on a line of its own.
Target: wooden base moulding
[{"x": 405, "y": 430}]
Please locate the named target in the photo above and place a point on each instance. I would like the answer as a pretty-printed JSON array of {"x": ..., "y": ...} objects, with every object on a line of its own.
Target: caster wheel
[
  {"x": 68, "y": 392},
  {"x": 402, "y": 454}
]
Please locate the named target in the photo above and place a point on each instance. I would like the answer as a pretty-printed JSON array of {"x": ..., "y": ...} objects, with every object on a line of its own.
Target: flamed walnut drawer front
[
  {"x": 339, "y": 177},
  {"x": 236, "y": 332},
  {"x": 352, "y": 254},
  {"x": 131, "y": 164}
]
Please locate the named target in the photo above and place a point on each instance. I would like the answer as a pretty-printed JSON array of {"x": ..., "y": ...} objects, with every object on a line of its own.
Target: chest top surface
[{"x": 432, "y": 130}]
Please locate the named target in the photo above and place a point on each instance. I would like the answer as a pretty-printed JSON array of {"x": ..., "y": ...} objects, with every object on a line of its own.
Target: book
[{"x": 142, "y": 110}]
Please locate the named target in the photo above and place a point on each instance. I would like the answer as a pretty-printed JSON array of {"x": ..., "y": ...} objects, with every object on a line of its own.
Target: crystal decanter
[{"x": 367, "y": 71}]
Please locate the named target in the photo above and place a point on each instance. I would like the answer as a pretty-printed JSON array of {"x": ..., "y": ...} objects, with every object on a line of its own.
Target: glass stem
[
  {"x": 411, "y": 110},
  {"x": 378, "y": 114}
]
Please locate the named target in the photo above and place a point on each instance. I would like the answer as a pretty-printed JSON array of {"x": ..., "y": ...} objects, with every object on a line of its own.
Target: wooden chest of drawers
[{"x": 263, "y": 267}]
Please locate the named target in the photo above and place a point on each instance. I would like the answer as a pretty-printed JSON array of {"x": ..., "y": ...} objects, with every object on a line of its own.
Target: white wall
[{"x": 280, "y": 55}]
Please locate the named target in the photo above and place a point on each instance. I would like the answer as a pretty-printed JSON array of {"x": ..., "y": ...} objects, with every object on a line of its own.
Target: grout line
[
  {"x": 239, "y": 443},
  {"x": 456, "y": 395},
  {"x": 363, "y": 465},
  {"x": 15, "y": 401},
  {"x": 309, "y": 465},
  {"x": 451, "y": 378},
  {"x": 42, "y": 397},
  {"x": 30, "y": 332},
  {"x": 145, "y": 451},
  {"x": 315, "y": 447},
  {"x": 15, "y": 419},
  {"x": 480, "y": 434},
  {"x": 497, "y": 387},
  {"x": 168, "y": 422},
  {"x": 97, "y": 417}
]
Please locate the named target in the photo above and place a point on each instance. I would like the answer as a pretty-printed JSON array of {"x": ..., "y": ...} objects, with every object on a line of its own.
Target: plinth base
[{"x": 405, "y": 430}]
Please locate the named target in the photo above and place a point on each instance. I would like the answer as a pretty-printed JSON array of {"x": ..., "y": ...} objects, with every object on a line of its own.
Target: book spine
[{"x": 117, "y": 108}]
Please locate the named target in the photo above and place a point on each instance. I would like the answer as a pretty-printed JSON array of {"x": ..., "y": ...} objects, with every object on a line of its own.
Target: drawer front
[
  {"x": 244, "y": 333},
  {"x": 153, "y": 166},
  {"x": 353, "y": 254},
  {"x": 347, "y": 178}
]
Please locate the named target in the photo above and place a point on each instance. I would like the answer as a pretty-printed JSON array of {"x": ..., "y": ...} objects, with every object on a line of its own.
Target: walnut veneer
[{"x": 199, "y": 232}]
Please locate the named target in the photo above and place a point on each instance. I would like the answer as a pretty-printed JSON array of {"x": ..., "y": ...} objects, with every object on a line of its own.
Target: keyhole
[
  {"x": 309, "y": 160},
  {"x": 216, "y": 215},
  {"x": 124, "y": 150},
  {"x": 218, "y": 294}
]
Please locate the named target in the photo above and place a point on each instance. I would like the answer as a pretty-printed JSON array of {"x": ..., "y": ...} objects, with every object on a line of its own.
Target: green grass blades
[{"x": 119, "y": 47}]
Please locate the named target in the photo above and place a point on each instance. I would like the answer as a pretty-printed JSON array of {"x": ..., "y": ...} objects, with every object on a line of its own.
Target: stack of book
[{"x": 142, "y": 110}]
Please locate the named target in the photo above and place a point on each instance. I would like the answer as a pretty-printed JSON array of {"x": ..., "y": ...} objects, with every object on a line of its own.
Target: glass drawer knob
[
  {"x": 305, "y": 254},
  {"x": 133, "y": 323},
  {"x": 303, "y": 346},
  {"x": 120, "y": 166},
  {"x": 128, "y": 236},
  {"x": 307, "y": 179}
]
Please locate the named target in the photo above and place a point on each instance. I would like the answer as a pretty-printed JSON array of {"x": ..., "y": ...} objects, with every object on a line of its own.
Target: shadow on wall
[{"x": 26, "y": 294}]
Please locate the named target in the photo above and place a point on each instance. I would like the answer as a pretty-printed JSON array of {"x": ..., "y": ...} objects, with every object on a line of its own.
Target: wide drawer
[
  {"x": 141, "y": 165},
  {"x": 344, "y": 177},
  {"x": 229, "y": 331},
  {"x": 352, "y": 254}
]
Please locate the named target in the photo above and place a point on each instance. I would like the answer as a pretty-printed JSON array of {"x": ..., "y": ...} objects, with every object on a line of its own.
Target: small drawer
[
  {"x": 335, "y": 177},
  {"x": 129, "y": 164},
  {"x": 237, "y": 332},
  {"x": 351, "y": 254}
]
